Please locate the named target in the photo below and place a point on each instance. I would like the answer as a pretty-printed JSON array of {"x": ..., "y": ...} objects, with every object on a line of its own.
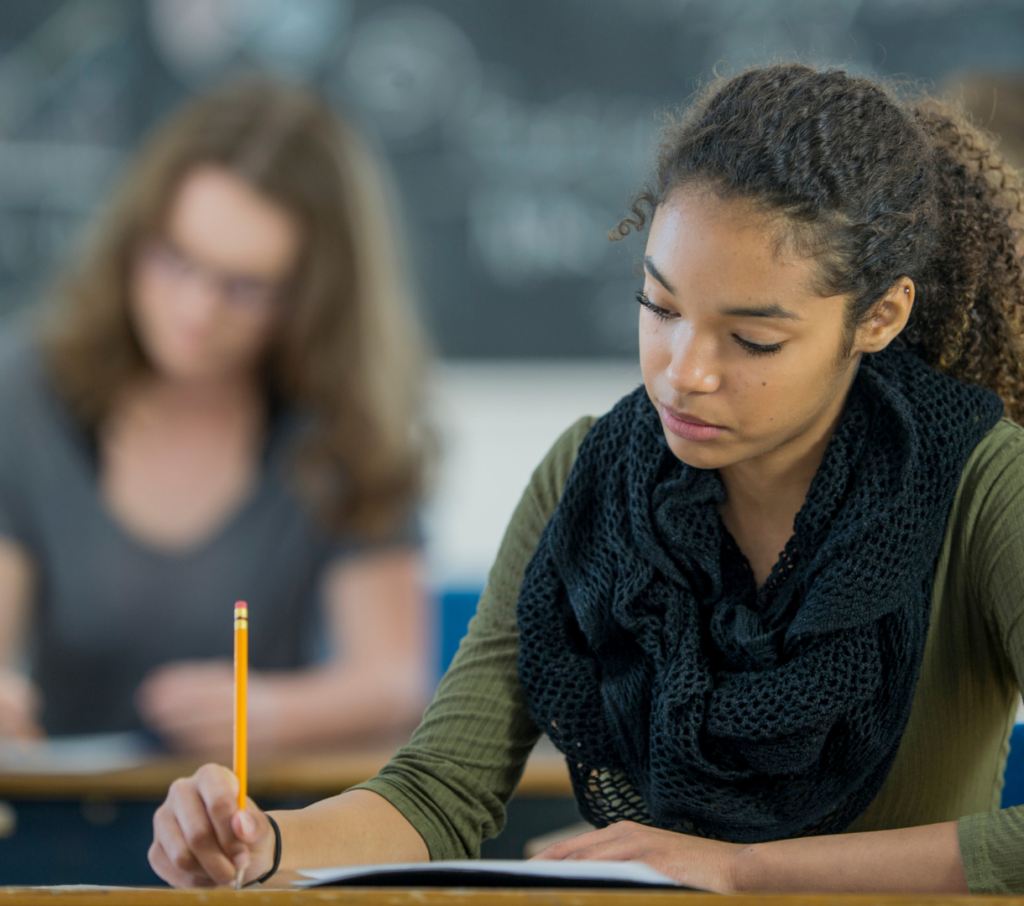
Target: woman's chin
[
  {"x": 705, "y": 454},
  {"x": 189, "y": 370}
]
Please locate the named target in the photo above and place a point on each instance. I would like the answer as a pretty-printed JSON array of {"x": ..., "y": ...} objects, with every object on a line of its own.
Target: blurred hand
[
  {"x": 200, "y": 836},
  {"x": 190, "y": 705},
  {"x": 20, "y": 702}
]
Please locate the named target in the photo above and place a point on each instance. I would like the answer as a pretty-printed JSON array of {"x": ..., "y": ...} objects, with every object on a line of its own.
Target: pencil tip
[{"x": 238, "y": 878}]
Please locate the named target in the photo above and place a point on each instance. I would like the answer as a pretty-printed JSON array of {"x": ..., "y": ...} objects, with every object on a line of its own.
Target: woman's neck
[
  {"x": 777, "y": 482},
  {"x": 177, "y": 458},
  {"x": 157, "y": 397},
  {"x": 765, "y": 493}
]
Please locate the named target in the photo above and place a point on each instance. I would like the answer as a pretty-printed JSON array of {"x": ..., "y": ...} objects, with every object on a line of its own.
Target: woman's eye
[
  {"x": 663, "y": 313},
  {"x": 757, "y": 348}
]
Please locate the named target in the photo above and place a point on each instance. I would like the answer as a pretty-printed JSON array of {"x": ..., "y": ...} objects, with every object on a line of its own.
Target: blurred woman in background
[{"x": 226, "y": 406}]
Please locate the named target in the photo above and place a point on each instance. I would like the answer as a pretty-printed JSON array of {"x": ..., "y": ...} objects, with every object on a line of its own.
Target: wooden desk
[
  {"x": 354, "y": 896},
  {"x": 312, "y": 776}
]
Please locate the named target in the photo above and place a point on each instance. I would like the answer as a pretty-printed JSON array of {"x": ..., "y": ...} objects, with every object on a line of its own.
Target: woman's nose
[
  {"x": 693, "y": 367},
  {"x": 198, "y": 299}
]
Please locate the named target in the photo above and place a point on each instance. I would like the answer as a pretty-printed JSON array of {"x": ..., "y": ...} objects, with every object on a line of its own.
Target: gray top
[{"x": 109, "y": 607}]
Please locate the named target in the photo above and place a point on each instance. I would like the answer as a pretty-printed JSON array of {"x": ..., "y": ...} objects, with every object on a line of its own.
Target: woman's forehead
[
  {"x": 217, "y": 216},
  {"x": 703, "y": 247}
]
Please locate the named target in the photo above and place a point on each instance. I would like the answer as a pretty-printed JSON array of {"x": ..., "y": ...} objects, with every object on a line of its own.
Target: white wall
[{"x": 497, "y": 421}]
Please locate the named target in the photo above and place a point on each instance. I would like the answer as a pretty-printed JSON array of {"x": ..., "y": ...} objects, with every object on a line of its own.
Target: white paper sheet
[
  {"x": 93, "y": 753},
  {"x": 623, "y": 872}
]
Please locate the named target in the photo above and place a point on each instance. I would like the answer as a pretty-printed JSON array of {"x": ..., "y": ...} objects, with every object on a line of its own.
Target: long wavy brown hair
[
  {"x": 348, "y": 354},
  {"x": 876, "y": 188}
]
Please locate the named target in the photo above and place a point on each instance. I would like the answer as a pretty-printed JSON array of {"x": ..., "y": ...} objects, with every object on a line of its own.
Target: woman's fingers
[
  {"x": 565, "y": 849},
  {"x": 189, "y": 705},
  {"x": 162, "y": 867},
  {"x": 200, "y": 837},
  {"x": 169, "y": 855},
  {"x": 251, "y": 825},
  {"x": 618, "y": 850},
  {"x": 212, "y": 740},
  {"x": 693, "y": 861},
  {"x": 198, "y": 831},
  {"x": 218, "y": 788}
]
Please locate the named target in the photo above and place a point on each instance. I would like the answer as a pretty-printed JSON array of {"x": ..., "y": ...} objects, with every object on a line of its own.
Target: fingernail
[
  {"x": 241, "y": 861},
  {"x": 247, "y": 824}
]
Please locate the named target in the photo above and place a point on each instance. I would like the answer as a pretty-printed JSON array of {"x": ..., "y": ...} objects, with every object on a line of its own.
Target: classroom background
[{"x": 515, "y": 131}]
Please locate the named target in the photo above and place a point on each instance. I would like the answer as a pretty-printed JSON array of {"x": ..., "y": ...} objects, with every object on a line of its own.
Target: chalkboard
[{"x": 516, "y": 129}]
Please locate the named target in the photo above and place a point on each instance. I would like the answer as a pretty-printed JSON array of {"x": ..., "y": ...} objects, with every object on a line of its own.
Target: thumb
[
  {"x": 245, "y": 827},
  {"x": 252, "y": 829}
]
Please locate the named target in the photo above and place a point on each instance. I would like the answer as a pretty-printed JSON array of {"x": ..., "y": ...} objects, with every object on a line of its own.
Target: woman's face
[
  {"x": 739, "y": 354},
  {"x": 206, "y": 294}
]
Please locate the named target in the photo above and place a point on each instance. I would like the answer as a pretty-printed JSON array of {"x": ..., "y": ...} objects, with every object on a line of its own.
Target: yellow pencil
[{"x": 240, "y": 761}]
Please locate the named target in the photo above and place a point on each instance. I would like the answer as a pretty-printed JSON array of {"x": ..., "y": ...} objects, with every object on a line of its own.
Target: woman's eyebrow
[
  {"x": 769, "y": 310},
  {"x": 654, "y": 272},
  {"x": 772, "y": 310}
]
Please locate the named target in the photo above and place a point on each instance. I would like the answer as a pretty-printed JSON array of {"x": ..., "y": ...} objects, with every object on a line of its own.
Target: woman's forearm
[
  {"x": 326, "y": 704},
  {"x": 355, "y": 828},
  {"x": 378, "y": 683},
  {"x": 922, "y": 859},
  {"x": 189, "y": 705}
]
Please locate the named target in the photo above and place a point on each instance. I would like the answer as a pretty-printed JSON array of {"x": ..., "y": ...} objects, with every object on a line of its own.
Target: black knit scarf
[{"x": 683, "y": 696}]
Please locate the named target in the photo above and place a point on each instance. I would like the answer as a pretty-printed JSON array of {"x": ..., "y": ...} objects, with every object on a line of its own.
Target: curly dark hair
[{"x": 875, "y": 188}]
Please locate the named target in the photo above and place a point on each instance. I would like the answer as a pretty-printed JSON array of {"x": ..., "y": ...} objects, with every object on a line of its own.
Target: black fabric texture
[{"x": 685, "y": 697}]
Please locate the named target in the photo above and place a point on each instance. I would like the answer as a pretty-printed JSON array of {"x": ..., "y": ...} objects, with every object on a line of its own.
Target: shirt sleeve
[
  {"x": 406, "y": 534},
  {"x": 992, "y": 843},
  {"x": 454, "y": 778}
]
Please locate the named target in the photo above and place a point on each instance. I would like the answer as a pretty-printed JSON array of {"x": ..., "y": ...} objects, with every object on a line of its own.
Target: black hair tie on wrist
[{"x": 277, "y": 852}]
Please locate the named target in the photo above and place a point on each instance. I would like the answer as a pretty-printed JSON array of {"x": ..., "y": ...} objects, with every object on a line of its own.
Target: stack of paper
[
  {"x": 490, "y": 873},
  {"x": 94, "y": 753}
]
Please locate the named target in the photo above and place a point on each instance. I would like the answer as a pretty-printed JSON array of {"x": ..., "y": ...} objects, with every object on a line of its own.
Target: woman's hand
[
  {"x": 916, "y": 860},
  {"x": 20, "y": 702},
  {"x": 201, "y": 838},
  {"x": 693, "y": 861},
  {"x": 190, "y": 705}
]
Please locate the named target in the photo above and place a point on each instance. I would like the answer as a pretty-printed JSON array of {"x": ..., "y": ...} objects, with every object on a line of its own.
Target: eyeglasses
[{"x": 238, "y": 290}]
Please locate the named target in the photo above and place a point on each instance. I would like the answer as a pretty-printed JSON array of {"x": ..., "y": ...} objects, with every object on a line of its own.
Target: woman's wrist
[
  {"x": 276, "y": 863},
  {"x": 271, "y": 852},
  {"x": 745, "y": 870},
  {"x": 923, "y": 859}
]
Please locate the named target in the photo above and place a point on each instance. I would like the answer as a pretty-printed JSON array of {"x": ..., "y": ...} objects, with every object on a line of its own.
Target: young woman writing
[
  {"x": 769, "y": 606},
  {"x": 224, "y": 405}
]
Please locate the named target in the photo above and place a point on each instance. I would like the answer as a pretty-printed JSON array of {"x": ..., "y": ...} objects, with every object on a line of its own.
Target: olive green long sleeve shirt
[{"x": 460, "y": 768}]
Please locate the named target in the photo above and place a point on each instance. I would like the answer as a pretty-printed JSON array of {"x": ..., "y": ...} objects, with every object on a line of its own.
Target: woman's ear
[{"x": 887, "y": 319}]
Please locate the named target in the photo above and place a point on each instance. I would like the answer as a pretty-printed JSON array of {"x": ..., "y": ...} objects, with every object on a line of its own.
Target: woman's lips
[{"x": 688, "y": 426}]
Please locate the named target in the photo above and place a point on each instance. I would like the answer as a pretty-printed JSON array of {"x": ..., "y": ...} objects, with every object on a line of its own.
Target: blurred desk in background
[
  {"x": 307, "y": 776},
  {"x": 96, "y": 828}
]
